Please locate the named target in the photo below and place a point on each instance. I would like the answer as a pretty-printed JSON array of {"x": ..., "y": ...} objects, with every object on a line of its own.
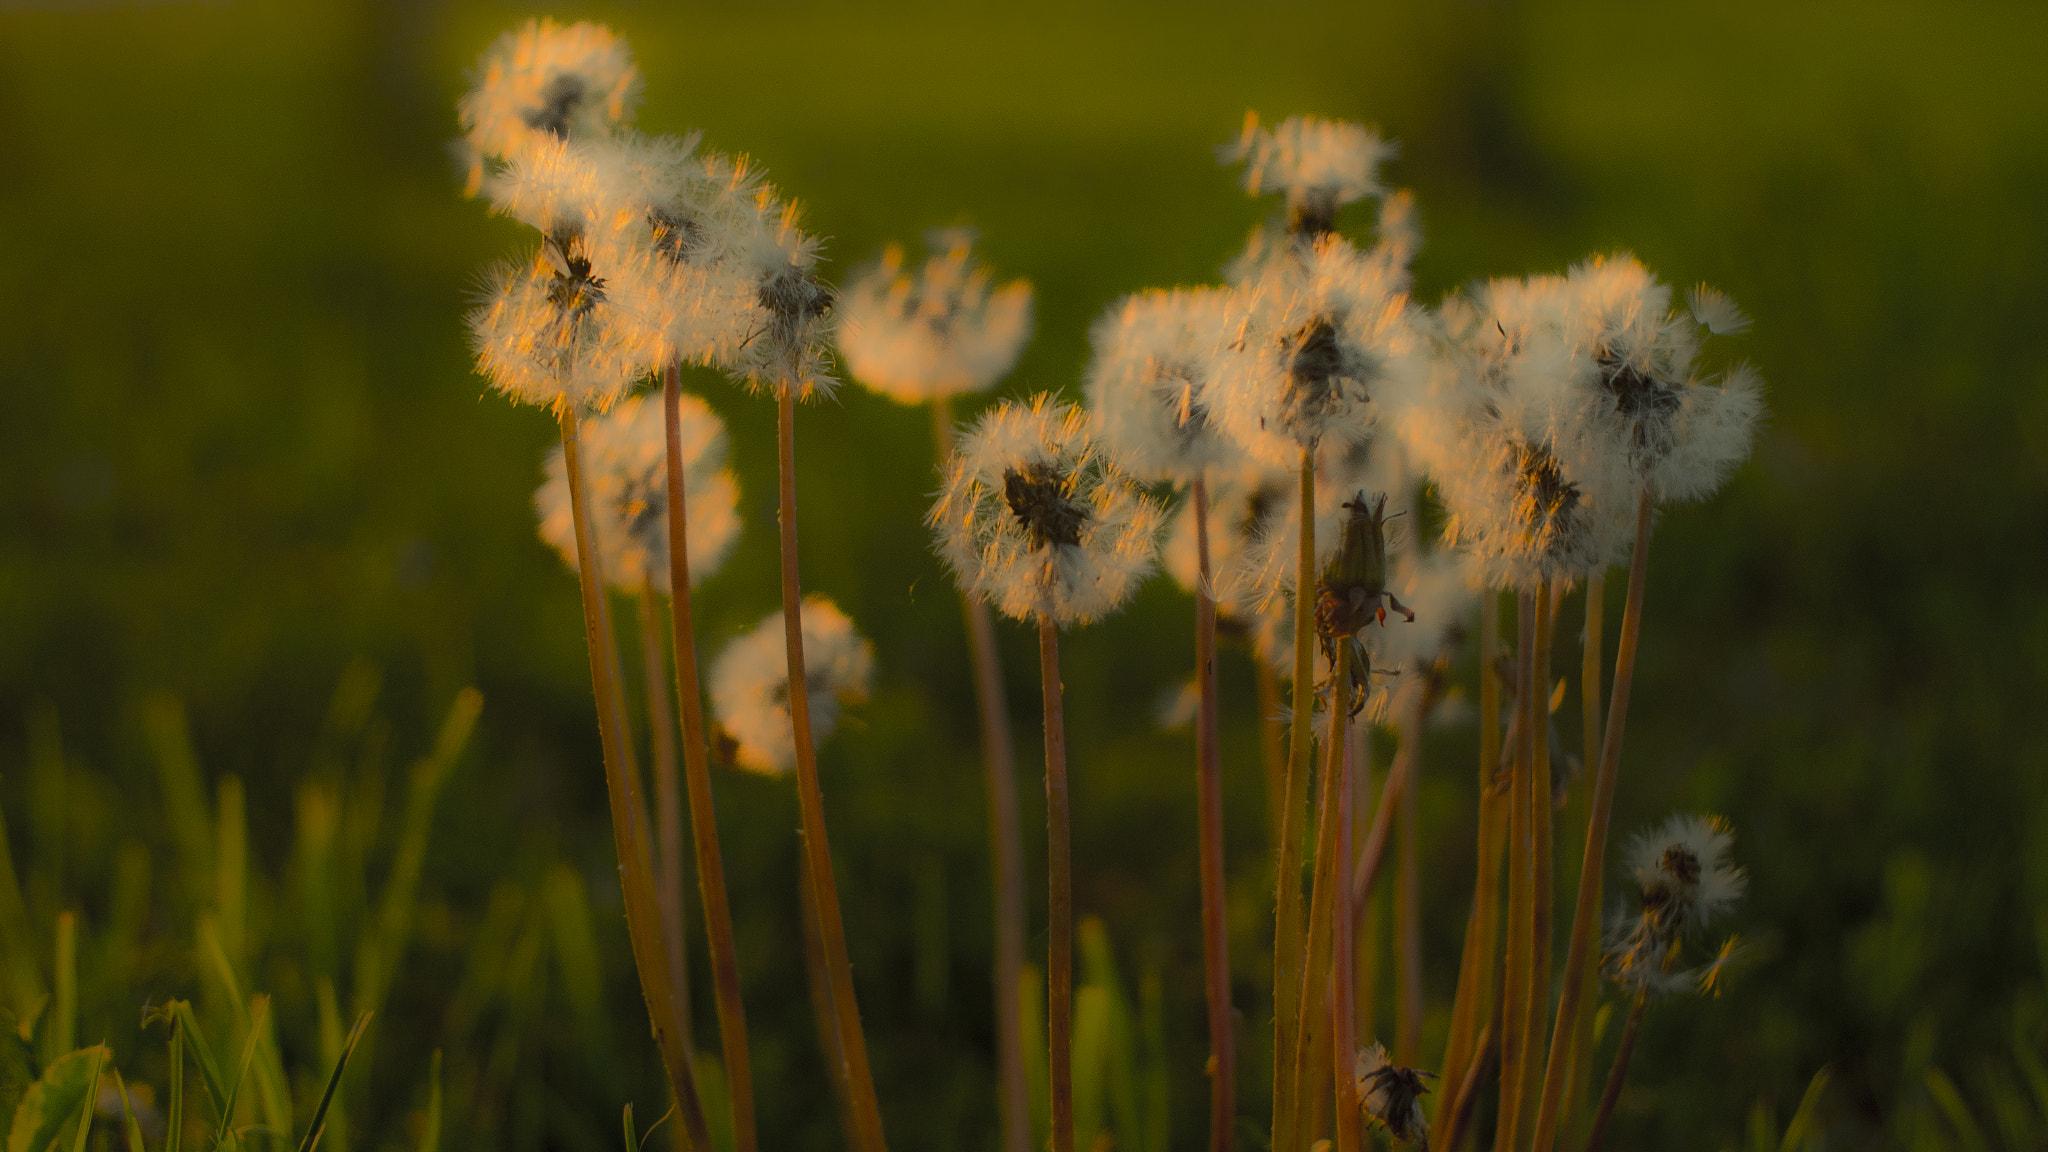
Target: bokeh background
[{"x": 250, "y": 473}]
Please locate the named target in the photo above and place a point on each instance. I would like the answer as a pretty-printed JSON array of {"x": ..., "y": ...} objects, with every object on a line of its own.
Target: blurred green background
[{"x": 246, "y": 460}]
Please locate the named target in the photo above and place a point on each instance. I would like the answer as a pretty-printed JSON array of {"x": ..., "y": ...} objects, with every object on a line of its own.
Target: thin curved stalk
[
  {"x": 1343, "y": 966},
  {"x": 668, "y": 802},
  {"x": 1584, "y": 913},
  {"x": 1482, "y": 928},
  {"x": 1542, "y": 884},
  {"x": 1272, "y": 747},
  {"x": 1209, "y": 789},
  {"x": 628, "y": 813},
  {"x": 1326, "y": 877},
  {"x": 811, "y": 798},
  {"x": 823, "y": 1009},
  {"x": 1408, "y": 917},
  {"x": 1006, "y": 849},
  {"x": 1618, "y": 1073},
  {"x": 1579, "y": 1057},
  {"x": 1287, "y": 942},
  {"x": 1514, "y": 1038},
  {"x": 1059, "y": 858},
  {"x": 725, "y": 967}
]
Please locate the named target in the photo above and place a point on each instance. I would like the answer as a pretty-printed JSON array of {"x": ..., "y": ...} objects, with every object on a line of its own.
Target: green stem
[
  {"x": 1343, "y": 960},
  {"x": 1482, "y": 928},
  {"x": 1521, "y": 891},
  {"x": 668, "y": 802}
]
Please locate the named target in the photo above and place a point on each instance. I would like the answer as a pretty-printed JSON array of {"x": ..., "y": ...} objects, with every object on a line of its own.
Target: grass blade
[
  {"x": 133, "y": 1130},
  {"x": 174, "y": 1109},
  {"x": 319, "y": 1123},
  {"x": 430, "y": 1138},
  {"x": 249, "y": 1045},
  {"x": 1950, "y": 1101},
  {"x": 92, "y": 1098},
  {"x": 188, "y": 1034},
  {"x": 1804, "y": 1128}
]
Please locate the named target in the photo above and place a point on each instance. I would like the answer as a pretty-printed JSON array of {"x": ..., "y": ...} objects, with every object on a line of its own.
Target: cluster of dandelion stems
[{"x": 1296, "y": 364}]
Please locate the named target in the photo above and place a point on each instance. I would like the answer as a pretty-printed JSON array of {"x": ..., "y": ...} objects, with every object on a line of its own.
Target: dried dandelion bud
[
  {"x": 942, "y": 333},
  {"x": 1391, "y": 1095},
  {"x": 1037, "y": 519},
  {"x": 624, "y": 454},
  {"x": 750, "y": 684}
]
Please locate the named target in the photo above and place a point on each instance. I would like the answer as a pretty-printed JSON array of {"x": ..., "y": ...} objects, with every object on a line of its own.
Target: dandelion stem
[
  {"x": 725, "y": 968},
  {"x": 1485, "y": 1053},
  {"x": 1059, "y": 857},
  {"x": 668, "y": 801},
  {"x": 1343, "y": 959},
  {"x": 1408, "y": 911},
  {"x": 1619, "y": 1072},
  {"x": 1209, "y": 786},
  {"x": 1542, "y": 888},
  {"x": 1482, "y": 929},
  {"x": 1521, "y": 910},
  {"x": 1325, "y": 878},
  {"x": 1367, "y": 870},
  {"x": 1005, "y": 842},
  {"x": 1579, "y": 1057},
  {"x": 822, "y": 1007},
  {"x": 1271, "y": 746},
  {"x": 811, "y": 799},
  {"x": 643, "y": 912},
  {"x": 1578, "y": 957},
  {"x": 1287, "y": 942}
]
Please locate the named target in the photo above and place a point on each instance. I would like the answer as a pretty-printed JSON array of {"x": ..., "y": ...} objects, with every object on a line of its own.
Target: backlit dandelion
[
  {"x": 1038, "y": 520},
  {"x": 625, "y": 460},
  {"x": 554, "y": 331},
  {"x": 1148, "y": 382},
  {"x": 1318, "y": 165},
  {"x": 750, "y": 683},
  {"x": 945, "y": 331},
  {"x": 545, "y": 82}
]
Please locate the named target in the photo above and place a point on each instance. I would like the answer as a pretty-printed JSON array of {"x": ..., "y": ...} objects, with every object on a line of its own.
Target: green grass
[{"x": 248, "y": 461}]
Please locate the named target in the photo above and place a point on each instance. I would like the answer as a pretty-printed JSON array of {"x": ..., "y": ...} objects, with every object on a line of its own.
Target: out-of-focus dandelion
[
  {"x": 1148, "y": 379},
  {"x": 750, "y": 683},
  {"x": 625, "y": 460},
  {"x": 1318, "y": 165},
  {"x": 943, "y": 332},
  {"x": 545, "y": 82},
  {"x": 1038, "y": 520},
  {"x": 1392, "y": 1095}
]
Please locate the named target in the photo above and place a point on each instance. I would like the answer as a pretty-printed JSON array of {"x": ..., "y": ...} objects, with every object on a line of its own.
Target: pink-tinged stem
[
  {"x": 1209, "y": 788},
  {"x": 1059, "y": 857}
]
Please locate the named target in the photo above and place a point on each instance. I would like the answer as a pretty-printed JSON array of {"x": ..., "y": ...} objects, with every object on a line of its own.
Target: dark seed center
[
  {"x": 1038, "y": 494},
  {"x": 678, "y": 235},
  {"x": 559, "y": 99},
  {"x": 1544, "y": 499},
  {"x": 1645, "y": 401},
  {"x": 572, "y": 290}
]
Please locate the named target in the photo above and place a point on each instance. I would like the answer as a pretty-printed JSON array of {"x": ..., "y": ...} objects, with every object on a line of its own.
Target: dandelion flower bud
[
  {"x": 1392, "y": 1095},
  {"x": 1684, "y": 882},
  {"x": 545, "y": 82},
  {"x": 624, "y": 454},
  {"x": 1037, "y": 519},
  {"x": 942, "y": 333},
  {"x": 1147, "y": 383},
  {"x": 750, "y": 683},
  {"x": 1319, "y": 165},
  {"x": 1314, "y": 348}
]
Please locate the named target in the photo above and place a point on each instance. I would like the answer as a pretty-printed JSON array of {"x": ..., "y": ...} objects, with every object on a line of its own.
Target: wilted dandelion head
[
  {"x": 624, "y": 454},
  {"x": 1392, "y": 1095},
  {"x": 545, "y": 82},
  {"x": 750, "y": 683},
  {"x": 1313, "y": 348},
  {"x": 942, "y": 332},
  {"x": 1319, "y": 165},
  {"x": 1038, "y": 520},
  {"x": 1148, "y": 382},
  {"x": 1684, "y": 882}
]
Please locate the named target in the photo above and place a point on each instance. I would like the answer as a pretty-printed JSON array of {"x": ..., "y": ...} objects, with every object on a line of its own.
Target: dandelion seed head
[
  {"x": 787, "y": 346},
  {"x": 944, "y": 332},
  {"x": 624, "y": 454},
  {"x": 1147, "y": 383},
  {"x": 1391, "y": 1095},
  {"x": 565, "y": 329},
  {"x": 1313, "y": 348},
  {"x": 543, "y": 82},
  {"x": 750, "y": 683},
  {"x": 1684, "y": 882},
  {"x": 1319, "y": 165},
  {"x": 1036, "y": 518}
]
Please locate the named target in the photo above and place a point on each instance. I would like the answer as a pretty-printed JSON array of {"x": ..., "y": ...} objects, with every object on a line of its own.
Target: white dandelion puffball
[
  {"x": 1316, "y": 347},
  {"x": 542, "y": 82},
  {"x": 1147, "y": 383},
  {"x": 564, "y": 329},
  {"x": 942, "y": 333},
  {"x": 1320, "y": 165},
  {"x": 624, "y": 455},
  {"x": 1635, "y": 357},
  {"x": 750, "y": 683},
  {"x": 788, "y": 339},
  {"x": 1038, "y": 520},
  {"x": 1682, "y": 868}
]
